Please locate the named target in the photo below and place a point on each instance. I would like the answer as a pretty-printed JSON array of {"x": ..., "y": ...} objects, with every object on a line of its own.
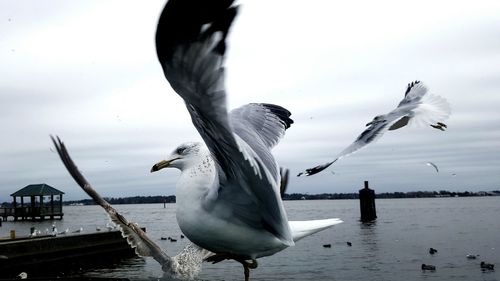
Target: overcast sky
[{"x": 87, "y": 72}]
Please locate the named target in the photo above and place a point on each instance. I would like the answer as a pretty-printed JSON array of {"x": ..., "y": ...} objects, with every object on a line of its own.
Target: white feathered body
[{"x": 211, "y": 224}]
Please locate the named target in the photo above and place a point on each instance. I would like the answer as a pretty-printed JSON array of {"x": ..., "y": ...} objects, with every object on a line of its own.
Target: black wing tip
[
  {"x": 68, "y": 162},
  {"x": 284, "y": 173},
  {"x": 282, "y": 113},
  {"x": 315, "y": 170},
  {"x": 411, "y": 85},
  {"x": 182, "y": 21},
  {"x": 59, "y": 145}
]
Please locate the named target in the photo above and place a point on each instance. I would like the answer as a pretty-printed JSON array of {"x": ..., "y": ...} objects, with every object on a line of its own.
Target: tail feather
[
  {"x": 432, "y": 109},
  {"x": 301, "y": 229}
]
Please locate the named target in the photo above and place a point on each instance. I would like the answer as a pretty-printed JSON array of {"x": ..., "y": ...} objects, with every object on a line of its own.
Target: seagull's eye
[{"x": 180, "y": 150}]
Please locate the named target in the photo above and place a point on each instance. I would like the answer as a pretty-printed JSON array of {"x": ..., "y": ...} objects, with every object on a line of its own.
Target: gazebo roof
[{"x": 37, "y": 190}]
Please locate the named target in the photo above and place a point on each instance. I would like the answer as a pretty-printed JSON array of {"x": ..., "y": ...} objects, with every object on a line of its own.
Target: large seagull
[{"x": 228, "y": 194}]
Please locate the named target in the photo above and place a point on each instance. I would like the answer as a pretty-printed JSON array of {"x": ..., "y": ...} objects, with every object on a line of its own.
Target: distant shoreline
[
  {"x": 292, "y": 196},
  {"x": 288, "y": 197}
]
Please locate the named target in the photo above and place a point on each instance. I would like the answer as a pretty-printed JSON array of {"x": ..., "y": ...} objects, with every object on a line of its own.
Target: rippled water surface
[{"x": 392, "y": 248}]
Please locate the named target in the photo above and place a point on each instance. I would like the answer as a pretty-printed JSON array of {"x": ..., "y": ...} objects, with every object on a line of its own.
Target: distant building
[{"x": 32, "y": 204}]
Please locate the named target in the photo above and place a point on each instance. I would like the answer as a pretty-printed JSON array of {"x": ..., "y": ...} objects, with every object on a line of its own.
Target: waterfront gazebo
[{"x": 37, "y": 208}]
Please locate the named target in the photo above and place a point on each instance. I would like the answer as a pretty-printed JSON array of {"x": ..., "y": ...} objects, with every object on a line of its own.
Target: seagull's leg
[
  {"x": 216, "y": 258},
  {"x": 246, "y": 272},
  {"x": 247, "y": 265}
]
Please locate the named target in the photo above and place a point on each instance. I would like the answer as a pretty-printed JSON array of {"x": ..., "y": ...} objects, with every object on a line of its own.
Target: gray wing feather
[
  {"x": 135, "y": 236},
  {"x": 261, "y": 126},
  {"x": 267, "y": 121}
]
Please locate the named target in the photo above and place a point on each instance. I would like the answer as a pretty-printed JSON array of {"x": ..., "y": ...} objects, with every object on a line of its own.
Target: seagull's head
[{"x": 182, "y": 156}]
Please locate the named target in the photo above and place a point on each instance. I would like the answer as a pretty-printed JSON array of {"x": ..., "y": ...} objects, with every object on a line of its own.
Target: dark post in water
[{"x": 367, "y": 204}]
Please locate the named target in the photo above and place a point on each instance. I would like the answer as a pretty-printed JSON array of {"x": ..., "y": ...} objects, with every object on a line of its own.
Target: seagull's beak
[{"x": 162, "y": 164}]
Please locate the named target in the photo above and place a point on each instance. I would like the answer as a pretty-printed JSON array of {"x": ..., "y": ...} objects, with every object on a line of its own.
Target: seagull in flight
[
  {"x": 417, "y": 107},
  {"x": 433, "y": 165},
  {"x": 228, "y": 195}
]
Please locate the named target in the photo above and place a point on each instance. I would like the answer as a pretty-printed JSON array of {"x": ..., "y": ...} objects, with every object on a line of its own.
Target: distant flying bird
[
  {"x": 433, "y": 165},
  {"x": 417, "y": 107}
]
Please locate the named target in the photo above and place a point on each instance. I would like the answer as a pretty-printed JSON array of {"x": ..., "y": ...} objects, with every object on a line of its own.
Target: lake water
[{"x": 392, "y": 248}]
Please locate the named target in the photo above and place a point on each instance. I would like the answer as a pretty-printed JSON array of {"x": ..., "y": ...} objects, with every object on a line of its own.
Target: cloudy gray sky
[{"x": 87, "y": 72}]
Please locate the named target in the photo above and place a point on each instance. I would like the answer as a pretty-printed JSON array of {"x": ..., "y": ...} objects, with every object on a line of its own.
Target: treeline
[
  {"x": 322, "y": 196},
  {"x": 442, "y": 193},
  {"x": 300, "y": 196},
  {"x": 410, "y": 194},
  {"x": 127, "y": 200}
]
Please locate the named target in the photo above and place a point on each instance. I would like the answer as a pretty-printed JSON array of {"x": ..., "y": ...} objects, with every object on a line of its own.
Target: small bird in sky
[{"x": 433, "y": 165}]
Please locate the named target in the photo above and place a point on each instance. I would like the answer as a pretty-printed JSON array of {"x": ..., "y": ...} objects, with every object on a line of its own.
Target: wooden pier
[
  {"x": 33, "y": 255},
  {"x": 32, "y": 213}
]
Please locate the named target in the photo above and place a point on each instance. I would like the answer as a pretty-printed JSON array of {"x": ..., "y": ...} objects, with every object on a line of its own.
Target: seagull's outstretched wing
[
  {"x": 372, "y": 133},
  {"x": 190, "y": 43},
  {"x": 261, "y": 126},
  {"x": 416, "y": 108},
  {"x": 187, "y": 264}
]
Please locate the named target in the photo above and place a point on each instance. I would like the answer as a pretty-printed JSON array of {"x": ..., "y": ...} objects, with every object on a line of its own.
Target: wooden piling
[{"x": 367, "y": 204}]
